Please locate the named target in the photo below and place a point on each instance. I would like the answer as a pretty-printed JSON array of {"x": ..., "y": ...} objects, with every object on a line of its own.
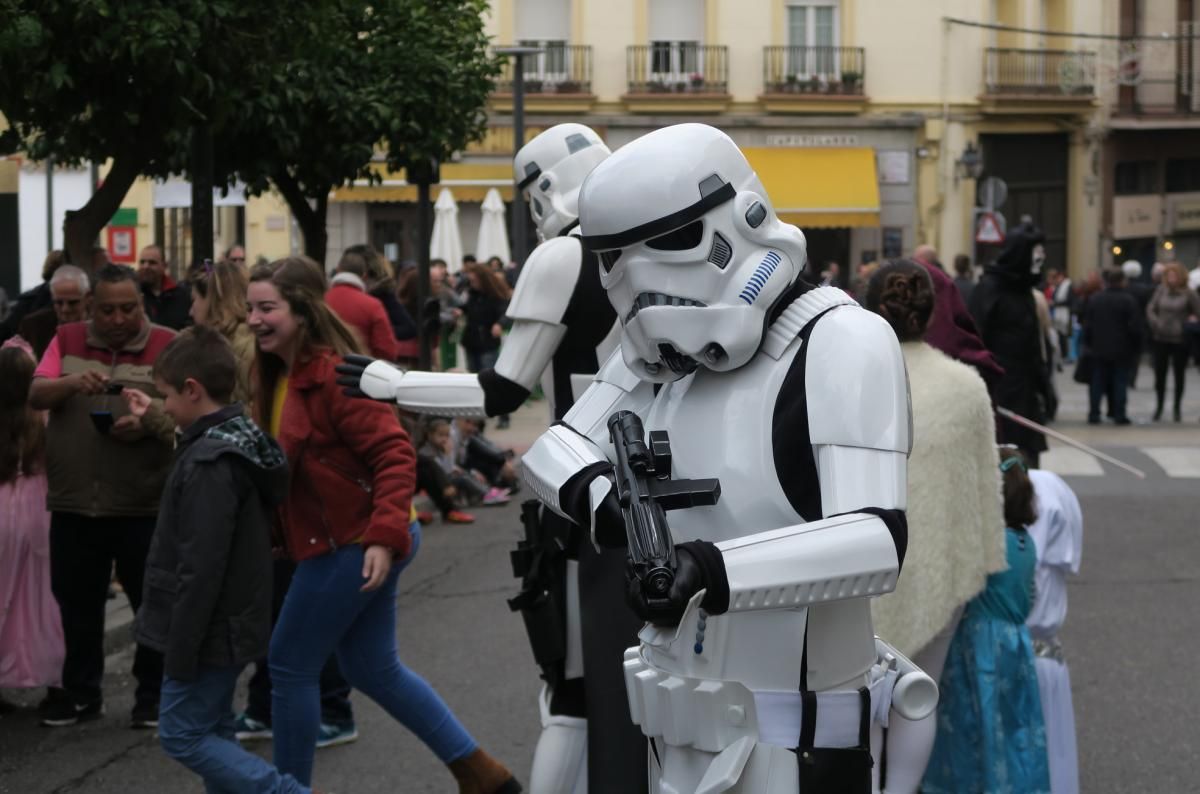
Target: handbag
[{"x": 1084, "y": 366}]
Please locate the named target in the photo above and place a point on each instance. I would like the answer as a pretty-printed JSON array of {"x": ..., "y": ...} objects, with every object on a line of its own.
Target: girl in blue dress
[{"x": 990, "y": 735}]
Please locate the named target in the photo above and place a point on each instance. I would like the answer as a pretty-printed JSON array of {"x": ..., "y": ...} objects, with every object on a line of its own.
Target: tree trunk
[
  {"x": 81, "y": 226},
  {"x": 310, "y": 218}
]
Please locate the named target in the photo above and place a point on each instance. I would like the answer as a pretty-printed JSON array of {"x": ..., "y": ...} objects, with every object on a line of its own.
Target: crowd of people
[
  {"x": 188, "y": 441},
  {"x": 138, "y": 413}
]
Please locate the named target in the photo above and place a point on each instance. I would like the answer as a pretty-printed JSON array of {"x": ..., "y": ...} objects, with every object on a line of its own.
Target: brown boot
[{"x": 479, "y": 773}]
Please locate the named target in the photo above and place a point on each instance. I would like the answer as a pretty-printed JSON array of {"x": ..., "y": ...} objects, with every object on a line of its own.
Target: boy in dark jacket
[{"x": 207, "y": 599}]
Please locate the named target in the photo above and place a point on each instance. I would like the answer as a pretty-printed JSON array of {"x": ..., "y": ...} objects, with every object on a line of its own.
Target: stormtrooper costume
[
  {"x": 768, "y": 678},
  {"x": 563, "y": 327}
]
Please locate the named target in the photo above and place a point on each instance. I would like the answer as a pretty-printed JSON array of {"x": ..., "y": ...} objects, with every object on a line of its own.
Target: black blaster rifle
[{"x": 645, "y": 492}]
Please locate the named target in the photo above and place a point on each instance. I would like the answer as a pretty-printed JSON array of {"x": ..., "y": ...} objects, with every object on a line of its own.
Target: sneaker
[
  {"x": 496, "y": 496},
  {"x": 459, "y": 517},
  {"x": 144, "y": 715},
  {"x": 66, "y": 712},
  {"x": 332, "y": 735},
  {"x": 248, "y": 729}
]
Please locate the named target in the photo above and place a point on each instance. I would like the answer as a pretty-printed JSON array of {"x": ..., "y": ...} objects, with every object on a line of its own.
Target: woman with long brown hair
[
  {"x": 348, "y": 523},
  {"x": 219, "y": 302}
]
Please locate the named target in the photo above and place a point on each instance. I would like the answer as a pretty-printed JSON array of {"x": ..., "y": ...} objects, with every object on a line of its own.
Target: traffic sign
[
  {"x": 991, "y": 193},
  {"x": 990, "y": 228}
]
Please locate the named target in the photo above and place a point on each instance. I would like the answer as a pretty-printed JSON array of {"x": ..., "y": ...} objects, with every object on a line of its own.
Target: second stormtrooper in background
[{"x": 563, "y": 328}]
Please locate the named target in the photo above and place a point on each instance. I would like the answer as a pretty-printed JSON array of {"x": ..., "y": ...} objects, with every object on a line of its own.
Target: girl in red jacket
[{"x": 348, "y": 523}]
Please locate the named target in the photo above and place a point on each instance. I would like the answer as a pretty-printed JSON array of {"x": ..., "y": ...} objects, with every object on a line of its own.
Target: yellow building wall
[{"x": 268, "y": 227}]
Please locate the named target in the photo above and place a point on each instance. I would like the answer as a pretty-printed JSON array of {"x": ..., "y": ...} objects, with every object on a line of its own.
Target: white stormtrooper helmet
[
  {"x": 551, "y": 168},
  {"x": 691, "y": 251}
]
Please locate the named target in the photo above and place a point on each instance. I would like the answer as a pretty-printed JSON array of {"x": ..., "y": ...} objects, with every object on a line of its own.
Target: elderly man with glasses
[
  {"x": 70, "y": 302},
  {"x": 166, "y": 301}
]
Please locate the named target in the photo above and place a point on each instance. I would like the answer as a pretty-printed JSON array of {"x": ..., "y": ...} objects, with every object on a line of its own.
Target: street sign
[
  {"x": 990, "y": 228},
  {"x": 991, "y": 193}
]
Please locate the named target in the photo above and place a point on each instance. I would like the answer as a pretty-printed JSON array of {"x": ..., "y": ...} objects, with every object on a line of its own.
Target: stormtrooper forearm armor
[{"x": 849, "y": 556}]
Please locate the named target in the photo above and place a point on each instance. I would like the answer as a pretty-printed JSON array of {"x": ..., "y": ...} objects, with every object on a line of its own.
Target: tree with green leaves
[
  {"x": 407, "y": 78},
  {"x": 302, "y": 107},
  {"x": 123, "y": 80}
]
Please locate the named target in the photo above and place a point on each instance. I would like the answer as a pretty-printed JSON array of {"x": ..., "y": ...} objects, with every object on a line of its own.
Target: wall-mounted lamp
[
  {"x": 1168, "y": 245},
  {"x": 970, "y": 163},
  {"x": 1116, "y": 249}
]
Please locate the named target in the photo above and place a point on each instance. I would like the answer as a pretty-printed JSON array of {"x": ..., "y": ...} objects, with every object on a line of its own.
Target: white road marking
[
  {"x": 1070, "y": 462},
  {"x": 1179, "y": 462}
]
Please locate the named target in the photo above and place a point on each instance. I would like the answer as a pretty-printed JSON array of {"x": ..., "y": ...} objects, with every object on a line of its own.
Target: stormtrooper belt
[{"x": 712, "y": 715}]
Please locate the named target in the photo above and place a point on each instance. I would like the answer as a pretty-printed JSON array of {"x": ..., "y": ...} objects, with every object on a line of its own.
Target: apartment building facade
[
  {"x": 872, "y": 123},
  {"x": 1152, "y": 148}
]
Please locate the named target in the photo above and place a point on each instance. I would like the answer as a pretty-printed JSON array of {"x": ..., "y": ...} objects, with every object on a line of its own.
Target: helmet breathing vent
[
  {"x": 721, "y": 251},
  {"x": 763, "y": 272}
]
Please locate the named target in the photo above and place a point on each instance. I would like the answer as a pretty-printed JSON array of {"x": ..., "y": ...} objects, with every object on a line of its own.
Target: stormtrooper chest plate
[{"x": 720, "y": 425}]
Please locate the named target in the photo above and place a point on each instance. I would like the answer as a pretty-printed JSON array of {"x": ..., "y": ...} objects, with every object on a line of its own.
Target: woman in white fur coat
[{"x": 955, "y": 506}]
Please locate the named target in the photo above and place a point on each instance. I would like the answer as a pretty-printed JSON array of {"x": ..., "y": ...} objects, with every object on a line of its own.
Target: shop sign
[
  {"x": 1137, "y": 216},
  {"x": 794, "y": 139},
  {"x": 1186, "y": 215}
]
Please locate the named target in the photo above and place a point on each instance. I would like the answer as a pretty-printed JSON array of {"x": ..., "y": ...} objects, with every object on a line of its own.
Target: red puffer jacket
[{"x": 353, "y": 468}]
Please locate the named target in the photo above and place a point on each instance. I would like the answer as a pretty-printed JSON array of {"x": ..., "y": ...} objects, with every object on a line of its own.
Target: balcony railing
[
  {"x": 677, "y": 67},
  {"x": 813, "y": 70},
  {"x": 558, "y": 69},
  {"x": 1042, "y": 73}
]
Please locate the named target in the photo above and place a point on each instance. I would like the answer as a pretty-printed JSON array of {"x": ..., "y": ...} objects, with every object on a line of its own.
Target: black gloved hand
[
  {"x": 699, "y": 566},
  {"x": 350, "y": 373}
]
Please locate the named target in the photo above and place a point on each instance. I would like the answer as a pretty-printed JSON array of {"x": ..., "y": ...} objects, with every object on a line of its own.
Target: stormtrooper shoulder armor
[
  {"x": 547, "y": 280},
  {"x": 855, "y": 370}
]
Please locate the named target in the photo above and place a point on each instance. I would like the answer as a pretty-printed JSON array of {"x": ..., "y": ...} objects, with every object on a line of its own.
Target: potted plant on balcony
[
  {"x": 850, "y": 81},
  {"x": 568, "y": 87},
  {"x": 697, "y": 81},
  {"x": 790, "y": 84},
  {"x": 533, "y": 86},
  {"x": 658, "y": 87},
  {"x": 814, "y": 84}
]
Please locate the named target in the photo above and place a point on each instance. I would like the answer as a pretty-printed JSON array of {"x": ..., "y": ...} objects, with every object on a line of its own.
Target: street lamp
[
  {"x": 970, "y": 163},
  {"x": 518, "y": 118}
]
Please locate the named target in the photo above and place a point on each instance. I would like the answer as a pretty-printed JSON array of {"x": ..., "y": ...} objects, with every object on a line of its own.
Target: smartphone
[
  {"x": 113, "y": 388},
  {"x": 103, "y": 420}
]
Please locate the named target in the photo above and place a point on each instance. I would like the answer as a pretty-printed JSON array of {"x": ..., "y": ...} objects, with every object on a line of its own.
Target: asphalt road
[{"x": 1132, "y": 640}]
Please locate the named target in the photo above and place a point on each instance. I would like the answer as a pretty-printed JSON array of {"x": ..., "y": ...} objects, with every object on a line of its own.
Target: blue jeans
[
  {"x": 325, "y": 611},
  {"x": 196, "y": 728}
]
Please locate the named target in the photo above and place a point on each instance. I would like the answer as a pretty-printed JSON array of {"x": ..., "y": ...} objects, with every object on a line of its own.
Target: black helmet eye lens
[
  {"x": 684, "y": 238},
  {"x": 537, "y": 207}
]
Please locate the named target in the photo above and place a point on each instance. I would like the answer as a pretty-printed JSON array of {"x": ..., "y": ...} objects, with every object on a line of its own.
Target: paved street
[{"x": 1131, "y": 637}]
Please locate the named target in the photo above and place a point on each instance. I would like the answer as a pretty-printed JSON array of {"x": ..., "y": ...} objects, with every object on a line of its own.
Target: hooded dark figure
[{"x": 1003, "y": 307}]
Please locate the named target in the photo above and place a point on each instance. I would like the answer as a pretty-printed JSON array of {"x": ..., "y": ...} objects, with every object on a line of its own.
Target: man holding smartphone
[{"x": 106, "y": 470}]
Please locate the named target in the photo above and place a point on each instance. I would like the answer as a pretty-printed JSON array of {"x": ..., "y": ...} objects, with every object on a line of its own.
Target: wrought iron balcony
[
  {"x": 559, "y": 69},
  {"x": 813, "y": 70},
  {"x": 1044, "y": 74},
  {"x": 677, "y": 67}
]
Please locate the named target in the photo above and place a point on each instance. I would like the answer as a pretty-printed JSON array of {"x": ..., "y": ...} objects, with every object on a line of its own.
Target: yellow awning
[
  {"x": 467, "y": 181},
  {"x": 820, "y": 187}
]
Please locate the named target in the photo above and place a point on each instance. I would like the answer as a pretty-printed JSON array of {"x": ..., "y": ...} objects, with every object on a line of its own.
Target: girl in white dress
[{"x": 1058, "y": 535}]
